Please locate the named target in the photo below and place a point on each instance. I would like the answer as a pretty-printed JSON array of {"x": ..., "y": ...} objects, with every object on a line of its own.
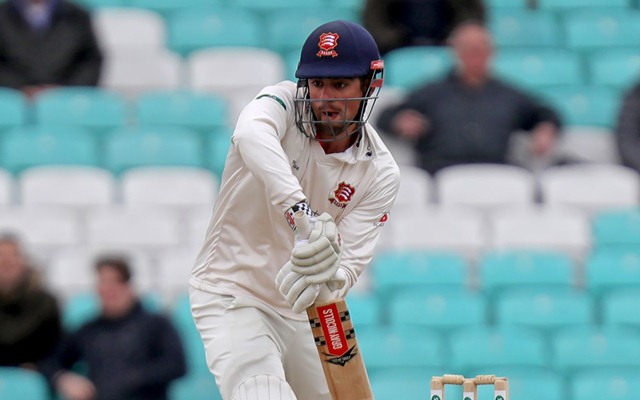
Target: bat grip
[{"x": 303, "y": 225}]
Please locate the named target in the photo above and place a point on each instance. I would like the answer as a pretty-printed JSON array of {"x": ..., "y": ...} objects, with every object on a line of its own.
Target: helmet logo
[{"x": 328, "y": 42}]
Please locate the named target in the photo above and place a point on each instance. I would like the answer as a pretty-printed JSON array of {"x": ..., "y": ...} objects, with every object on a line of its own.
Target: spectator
[
  {"x": 29, "y": 315},
  {"x": 47, "y": 43},
  {"x": 470, "y": 116},
  {"x": 130, "y": 353},
  {"x": 400, "y": 23},
  {"x": 628, "y": 129}
]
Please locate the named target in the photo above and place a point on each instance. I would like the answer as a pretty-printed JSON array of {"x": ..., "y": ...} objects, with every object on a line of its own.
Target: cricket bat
[{"x": 336, "y": 342}]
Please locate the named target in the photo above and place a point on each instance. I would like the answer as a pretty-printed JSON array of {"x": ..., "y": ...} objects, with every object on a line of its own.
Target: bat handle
[{"x": 303, "y": 224}]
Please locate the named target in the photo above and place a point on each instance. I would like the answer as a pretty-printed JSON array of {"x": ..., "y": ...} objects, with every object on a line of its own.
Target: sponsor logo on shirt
[
  {"x": 383, "y": 219},
  {"x": 342, "y": 195}
]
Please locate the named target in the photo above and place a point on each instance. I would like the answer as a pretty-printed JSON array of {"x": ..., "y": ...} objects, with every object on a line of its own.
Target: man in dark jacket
[
  {"x": 45, "y": 43},
  {"x": 129, "y": 352},
  {"x": 470, "y": 116},
  {"x": 628, "y": 128}
]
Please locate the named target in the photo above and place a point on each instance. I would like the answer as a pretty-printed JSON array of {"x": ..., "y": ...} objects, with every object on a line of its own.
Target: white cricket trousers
[{"x": 244, "y": 338}]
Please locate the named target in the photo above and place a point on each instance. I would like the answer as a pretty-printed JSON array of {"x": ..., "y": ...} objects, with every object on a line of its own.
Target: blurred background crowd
[{"x": 513, "y": 248}]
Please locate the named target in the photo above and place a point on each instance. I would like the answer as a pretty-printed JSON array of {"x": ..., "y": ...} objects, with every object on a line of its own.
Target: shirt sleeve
[{"x": 257, "y": 137}]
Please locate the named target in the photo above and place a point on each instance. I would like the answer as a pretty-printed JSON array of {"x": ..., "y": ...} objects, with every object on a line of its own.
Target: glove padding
[
  {"x": 319, "y": 257},
  {"x": 299, "y": 293}
]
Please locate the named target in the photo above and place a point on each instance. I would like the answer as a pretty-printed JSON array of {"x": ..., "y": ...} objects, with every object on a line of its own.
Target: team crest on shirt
[
  {"x": 342, "y": 195},
  {"x": 328, "y": 42}
]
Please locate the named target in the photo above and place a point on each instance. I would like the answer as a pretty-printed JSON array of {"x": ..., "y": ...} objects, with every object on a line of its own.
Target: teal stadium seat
[
  {"x": 28, "y": 146},
  {"x": 13, "y": 109},
  {"x": 621, "y": 307},
  {"x": 91, "y": 108},
  {"x": 94, "y": 4},
  {"x": 201, "y": 112},
  {"x": 198, "y": 28},
  {"x": 195, "y": 387},
  {"x": 608, "y": 270},
  {"x": 396, "y": 271},
  {"x": 521, "y": 27},
  {"x": 193, "y": 346},
  {"x": 356, "y": 6},
  {"x": 539, "y": 68},
  {"x": 598, "y": 348},
  {"x": 618, "y": 68},
  {"x": 595, "y": 29},
  {"x": 506, "y": 4},
  {"x": 278, "y": 5},
  {"x": 504, "y": 270},
  {"x": 572, "y": 5},
  {"x": 586, "y": 105},
  {"x": 444, "y": 310},
  {"x": 152, "y": 146},
  {"x": 405, "y": 385},
  {"x": 168, "y": 7},
  {"x": 545, "y": 311},
  {"x": 22, "y": 384},
  {"x": 406, "y": 350},
  {"x": 217, "y": 147},
  {"x": 497, "y": 348},
  {"x": 408, "y": 67},
  {"x": 610, "y": 385},
  {"x": 617, "y": 228},
  {"x": 365, "y": 309}
]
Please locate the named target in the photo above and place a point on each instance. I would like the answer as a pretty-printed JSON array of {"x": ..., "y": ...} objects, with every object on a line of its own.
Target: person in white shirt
[{"x": 296, "y": 147}]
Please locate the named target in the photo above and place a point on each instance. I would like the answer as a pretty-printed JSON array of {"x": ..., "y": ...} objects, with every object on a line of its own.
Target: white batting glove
[
  {"x": 319, "y": 257},
  {"x": 299, "y": 293}
]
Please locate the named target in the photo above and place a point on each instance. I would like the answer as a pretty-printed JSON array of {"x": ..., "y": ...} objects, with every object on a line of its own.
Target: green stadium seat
[
  {"x": 408, "y": 67},
  {"x": 610, "y": 385},
  {"x": 405, "y": 385},
  {"x": 365, "y": 309},
  {"x": 585, "y": 105},
  {"x": 572, "y": 5},
  {"x": 539, "y": 68},
  {"x": 27, "y": 146},
  {"x": 200, "y": 112},
  {"x": 521, "y": 27},
  {"x": 195, "y": 387},
  {"x": 610, "y": 269},
  {"x": 167, "y": 7},
  {"x": 90, "y": 108},
  {"x": 507, "y": 4},
  {"x": 594, "y": 29},
  {"x": 597, "y": 348},
  {"x": 621, "y": 307},
  {"x": 618, "y": 68},
  {"x": 617, "y": 228},
  {"x": 13, "y": 109},
  {"x": 152, "y": 146},
  {"x": 198, "y": 28},
  {"x": 22, "y": 384}
]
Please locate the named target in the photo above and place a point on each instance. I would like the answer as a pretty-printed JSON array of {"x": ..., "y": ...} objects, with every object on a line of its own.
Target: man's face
[
  {"x": 12, "y": 265},
  {"x": 474, "y": 51},
  {"x": 116, "y": 296},
  {"x": 334, "y": 113}
]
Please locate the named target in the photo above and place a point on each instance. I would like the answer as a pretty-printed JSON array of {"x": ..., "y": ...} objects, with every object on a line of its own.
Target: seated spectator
[
  {"x": 129, "y": 352},
  {"x": 401, "y": 23},
  {"x": 470, "y": 116},
  {"x": 628, "y": 128},
  {"x": 47, "y": 43},
  {"x": 29, "y": 317}
]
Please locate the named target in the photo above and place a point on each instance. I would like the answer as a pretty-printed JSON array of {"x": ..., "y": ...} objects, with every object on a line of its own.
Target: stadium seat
[
  {"x": 506, "y": 270},
  {"x": 617, "y": 228},
  {"x": 541, "y": 227},
  {"x": 507, "y": 4},
  {"x": 207, "y": 27},
  {"x": 169, "y": 7},
  {"x": 539, "y": 68},
  {"x": 27, "y": 146},
  {"x": 97, "y": 4},
  {"x": 22, "y": 383},
  {"x": 277, "y": 5},
  {"x": 395, "y": 272},
  {"x": 76, "y": 187},
  {"x": 169, "y": 186},
  {"x": 217, "y": 148},
  {"x": 201, "y": 112},
  {"x": 132, "y": 74},
  {"x": 6, "y": 188},
  {"x": 195, "y": 386},
  {"x": 621, "y": 307},
  {"x": 13, "y": 109},
  {"x": 589, "y": 144},
  {"x": 408, "y": 67},
  {"x": 608, "y": 384},
  {"x": 405, "y": 385},
  {"x": 592, "y": 29},
  {"x": 585, "y": 105},
  {"x": 197, "y": 221},
  {"x": 493, "y": 348},
  {"x": 618, "y": 68},
  {"x": 365, "y": 309},
  {"x": 444, "y": 310},
  {"x": 152, "y": 146},
  {"x": 180, "y": 313},
  {"x": 388, "y": 349},
  {"x": 173, "y": 270},
  {"x": 590, "y": 187},
  {"x": 573, "y": 5},
  {"x": 598, "y": 348},
  {"x": 89, "y": 108},
  {"x": 524, "y": 27},
  {"x": 486, "y": 187},
  {"x": 416, "y": 187},
  {"x": 129, "y": 29},
  {"x": 545, "y": 310},
  {"x": 608, "y": 270}
]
